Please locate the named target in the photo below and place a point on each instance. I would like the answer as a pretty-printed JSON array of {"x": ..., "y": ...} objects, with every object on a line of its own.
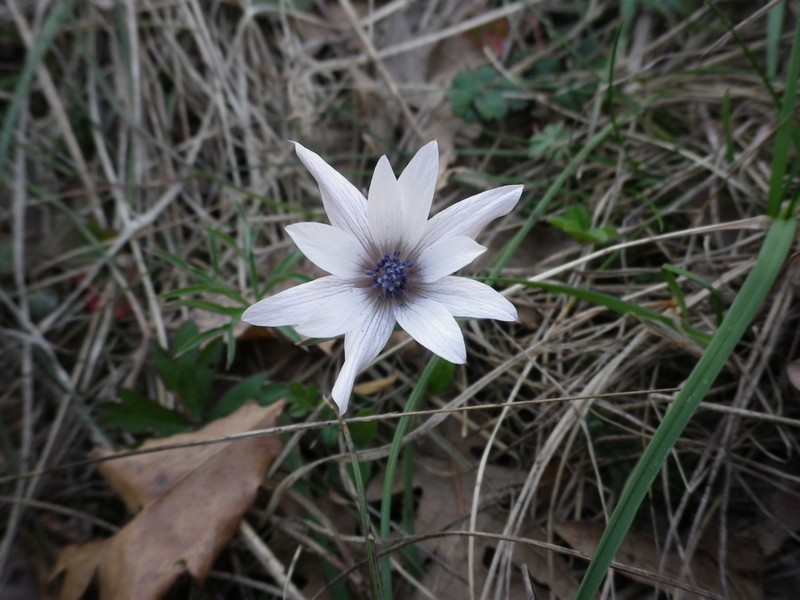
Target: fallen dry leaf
[
  {"x": 545, "y": 567},
  {"x": 444, "y": 504},
  {"x": 140, "y": 480},
  {"x": 641, "y": 550},
  {"x": 781, "y": 522},
  {"x": 191, "y": 500},
  {"x": 444, "y": 498},
  {"x": 79, "y": 564}
]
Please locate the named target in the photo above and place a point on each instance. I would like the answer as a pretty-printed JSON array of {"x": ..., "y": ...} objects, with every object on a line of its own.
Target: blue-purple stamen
[{"x": 390, "y": 276}]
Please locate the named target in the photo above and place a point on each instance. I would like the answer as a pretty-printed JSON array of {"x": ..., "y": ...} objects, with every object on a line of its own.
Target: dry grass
[{"x": 150, "y": 124}]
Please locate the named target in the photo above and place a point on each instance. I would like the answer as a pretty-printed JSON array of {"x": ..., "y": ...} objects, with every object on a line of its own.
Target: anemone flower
[{"x": 388, "y": 264}]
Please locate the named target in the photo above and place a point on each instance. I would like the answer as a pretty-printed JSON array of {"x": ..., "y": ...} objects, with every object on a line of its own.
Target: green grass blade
[
  {"x": 206, "y": 289},
  {"x": 51, "y": 26},
  {"x": 770, "y": 260},
  {"x": 612, "y": 303},
  {"x": 363, "y": 511},
  {"x": 671, "y": 274},
  {"x": 745, "y": 48},
  {"x": 787, "y": 129},
  {"x": 727, "y": 128},
  {"x": 774, "y": 30},
  {"x": 391, "y": 468},
  {"x": 234, "y": 312},
  {"x": 511, "y": 247}
]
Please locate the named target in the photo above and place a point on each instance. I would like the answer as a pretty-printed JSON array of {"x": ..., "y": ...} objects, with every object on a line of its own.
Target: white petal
[
  {"x": 345, "y": 206},
  {"x": 447, "y": 256},
  {"x": 329, "y": 248},
  {"x": 417, "y": 185},
  {"x": 338, "y": 315},
  {"x": 297, "y": 304},
  {"x": 385, "y": 208},
  {"x": 464, "y": 297},
  {"x": 433, "y": 326},
  {"x": 361, "y": 345},
  {"x": 469, "y": 216}
]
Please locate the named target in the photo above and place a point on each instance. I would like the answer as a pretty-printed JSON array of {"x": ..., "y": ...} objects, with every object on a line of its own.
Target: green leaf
[
  {"x": 491, "y": 106},
  {"x": 302, "y": 400},
  {"x": 551, "y": 142},
  {"x": 481, "y": 94},
  {"x": 462, "y": 95},
  {"x": 281, "y": 271},
  {"x": 596, "y": 235},
  {"x": 329, "y": 435},
  {"x": 198, "y": 339},
  {"x": 190, "y": 374},
  {"x": 442, "y": 377},
  {"x": 198, "y": 377},
  {"x": 576, "y": 222},
  {"x": 546, "y": 67},
  {"x": 552, "y": 191},
  {"x": 138, "y": 414},
  {"x": 252, "y": 388},
  {"x": 599, "y": 235},
  {"x": 163, "y": 363},
  {"x": 579, "y": 215},
  {"x": 364, "y": 433}
]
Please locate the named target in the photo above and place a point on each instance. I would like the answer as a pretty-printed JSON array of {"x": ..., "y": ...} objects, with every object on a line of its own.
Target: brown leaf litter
[
  {"x": 642, "y": 551},
  {"x": 188, "y": 504}
]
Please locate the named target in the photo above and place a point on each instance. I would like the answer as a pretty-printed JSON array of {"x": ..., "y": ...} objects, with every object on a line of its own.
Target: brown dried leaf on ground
[
  {"x": 445, "y": 492},
  {"x": 781, "y": 522},
  {"x": 641, "y": 550},
  {"x": 545, "y": 567},
  {"x": 444, "y": 504},
  {"x": 191, "y": 501}
]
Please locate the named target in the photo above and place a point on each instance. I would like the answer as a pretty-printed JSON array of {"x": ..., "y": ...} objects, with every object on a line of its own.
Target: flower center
[{"x": 390, "y": 275}]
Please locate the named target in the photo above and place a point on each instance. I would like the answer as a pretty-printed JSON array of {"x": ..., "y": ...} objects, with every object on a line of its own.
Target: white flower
[{"x": 388, "y": 263}]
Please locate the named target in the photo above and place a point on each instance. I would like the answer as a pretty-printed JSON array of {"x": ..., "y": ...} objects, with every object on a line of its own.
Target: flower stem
[
  {"x": 363, "y": 509},
  {"x": 391, "y": 468}
]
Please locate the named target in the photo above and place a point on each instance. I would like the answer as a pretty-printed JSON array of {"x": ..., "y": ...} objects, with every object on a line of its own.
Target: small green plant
[
  {"x": 190, "y": 375},
  {"x": 302, "y": 400},
  {"x": 482, "y": 95},
  {"x": 209, "y": 291},
  {"x": 550, "y": 143},
  {"x": 442, "y": 377},
  {"x": 577, "y": 223}
]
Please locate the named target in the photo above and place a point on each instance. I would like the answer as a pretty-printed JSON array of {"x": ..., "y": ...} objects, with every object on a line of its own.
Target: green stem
[
  {"x": 363, "y": 509},
  {"x": 391, "y": 468},
  {"x": 511, "y": 247},
  {"x": 750, "y": 299}
]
